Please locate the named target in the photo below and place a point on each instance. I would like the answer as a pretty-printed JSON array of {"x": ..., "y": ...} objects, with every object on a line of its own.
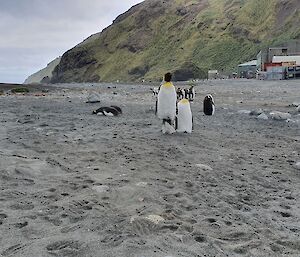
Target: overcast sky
[{"x": 34, "y": 32}]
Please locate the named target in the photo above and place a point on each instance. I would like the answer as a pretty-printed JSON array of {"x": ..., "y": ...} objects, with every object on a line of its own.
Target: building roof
[
  {"x": 251, "y": 63},
  {"x": 290, "y": 58}
]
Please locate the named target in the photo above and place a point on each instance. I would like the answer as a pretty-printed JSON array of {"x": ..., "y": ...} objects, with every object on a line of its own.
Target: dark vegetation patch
[{"x": 20, "y": 90}]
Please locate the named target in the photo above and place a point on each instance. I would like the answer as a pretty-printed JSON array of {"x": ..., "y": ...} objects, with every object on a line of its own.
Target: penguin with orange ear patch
[
  {"x": 184, "y": 118},
  {"x": 166, "y": 104}
]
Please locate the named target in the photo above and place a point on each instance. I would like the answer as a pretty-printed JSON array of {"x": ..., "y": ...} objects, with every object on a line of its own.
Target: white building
[{"x": 289, "y": 58}]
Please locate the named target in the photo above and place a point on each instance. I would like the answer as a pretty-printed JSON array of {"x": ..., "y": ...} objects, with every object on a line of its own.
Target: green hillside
[{"x": 187, "y": 37}]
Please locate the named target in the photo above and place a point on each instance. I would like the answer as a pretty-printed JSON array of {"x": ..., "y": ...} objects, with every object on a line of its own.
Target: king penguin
[
  {"x": 166, "y": 104},
  {"x": 208, "y": 105},
  {"x": 184, "y": 118}
]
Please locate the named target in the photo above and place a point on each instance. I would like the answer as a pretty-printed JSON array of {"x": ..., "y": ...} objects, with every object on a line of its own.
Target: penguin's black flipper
[
  {"x": 117, "y": 108},
  {"x": 192, "y": 122},
  {"x": 176, "y": 123},
  {"x": 156, "y": 107}
]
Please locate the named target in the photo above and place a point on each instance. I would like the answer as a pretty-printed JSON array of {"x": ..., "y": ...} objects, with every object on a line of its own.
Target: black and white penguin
[
  {"x": 155, "y": 91},
  {"x": 117, "y": 108},
  {"x": 108, "y": 111},
  {"x": 179, "y": 94},
  {"x": 208, "y": 105},
  {"x": 184, "y": 118},
  {"x": 191, "y": 93},
  {"x": 166, "y": 104},
  {"x": 186, "y": 93}
]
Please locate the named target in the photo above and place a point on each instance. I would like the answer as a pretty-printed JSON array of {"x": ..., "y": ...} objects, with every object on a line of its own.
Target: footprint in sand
[
  {"x": 70, "y": 228},
  {"x": 285, "y": 214},
  {"x": 211, "y": 220},
  {"x": 2, "y": 217},
  {"x": 65, "y": 248},
  {"x": 11, "y": 195},
  {"x": 145, "y": 225},
  {"x": 21, "y": 224},
  {"x": 200, "y": 238},
  {"x": 22, "y": 206},
  {"x": 13, "y": 250}
]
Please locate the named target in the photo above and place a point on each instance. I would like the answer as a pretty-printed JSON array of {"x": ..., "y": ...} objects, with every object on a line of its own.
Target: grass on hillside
[
  {"x": 221, "y": 36},
  {"x": 20, "y": 90}
]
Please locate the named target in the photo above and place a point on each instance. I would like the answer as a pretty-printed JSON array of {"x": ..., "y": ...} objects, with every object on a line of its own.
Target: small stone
[
  {"x": 280, "y": 115},
  {"x": 203, "y": 167},
  {"x": 297, "y": 165},
  {"x": 244, "y": 112},
  {"x": 101, "y": 189},
  {"x": 93, "y": 98},
  {"x": 290, "y": 121},
  {"x": 262, "y": 116},
  {"x": 256, "y": 112},
  {"x": 155, "y": 218},
  {"x": 142, "y": 184},
  {"x": 152, "y": 218}
]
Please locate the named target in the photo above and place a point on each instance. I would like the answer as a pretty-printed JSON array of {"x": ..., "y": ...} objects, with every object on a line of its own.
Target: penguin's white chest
[
  {"x": 166, "y": 103},
  {"x": 184, "y": 118}
]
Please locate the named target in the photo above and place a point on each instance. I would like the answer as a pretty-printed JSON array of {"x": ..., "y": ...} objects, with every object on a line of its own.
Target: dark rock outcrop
[{"x": 188, "y": 71}]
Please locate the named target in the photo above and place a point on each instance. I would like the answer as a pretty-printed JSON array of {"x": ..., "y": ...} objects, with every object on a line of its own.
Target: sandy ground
[{"x": 77, "y": 184}]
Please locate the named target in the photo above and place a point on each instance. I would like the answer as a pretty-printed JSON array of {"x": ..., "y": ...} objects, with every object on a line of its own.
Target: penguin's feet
[
  {"x": 163, "y": 129},
  {"x": 168, "y": 129}
]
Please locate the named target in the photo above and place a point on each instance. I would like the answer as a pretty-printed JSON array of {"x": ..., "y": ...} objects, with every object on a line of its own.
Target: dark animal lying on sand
[{"x": 108, "y": 111}]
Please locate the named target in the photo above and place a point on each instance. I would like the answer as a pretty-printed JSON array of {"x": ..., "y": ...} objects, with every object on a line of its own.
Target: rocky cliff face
[
  {"x": 44, "y": 75},
  {"x": 185, "y": 37}
]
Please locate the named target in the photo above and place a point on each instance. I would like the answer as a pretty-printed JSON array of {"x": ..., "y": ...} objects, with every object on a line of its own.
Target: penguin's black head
[
  {"x": 95, "y": 112},
  {"x": 209, "y": 98},
  {"x": 168, "y": 77}
]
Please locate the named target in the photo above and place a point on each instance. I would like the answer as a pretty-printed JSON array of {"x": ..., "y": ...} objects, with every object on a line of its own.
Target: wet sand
[{"x": 77, "y": 184}]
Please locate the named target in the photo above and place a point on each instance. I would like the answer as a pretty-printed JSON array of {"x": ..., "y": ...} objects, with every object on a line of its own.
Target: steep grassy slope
[{"x": 187, "y": 37}]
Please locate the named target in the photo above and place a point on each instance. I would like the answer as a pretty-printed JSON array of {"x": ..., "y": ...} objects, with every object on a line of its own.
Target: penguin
[
  {"x": 186, "y": 93},
  {"x": 183, "y": 93},
  {"x": 209, "y": 105},
  {"x": 166, "y": 104},
  {"x": 184, "y": 118},
  {"x": 155, "y": 91},
  {"x": 99, "y": 110},
  {"x": 107, "y": 111},
  {"x": 117, "y": 108},
  {"x": 191, "y": 94},
  {"x": 179, "y": 94}
]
